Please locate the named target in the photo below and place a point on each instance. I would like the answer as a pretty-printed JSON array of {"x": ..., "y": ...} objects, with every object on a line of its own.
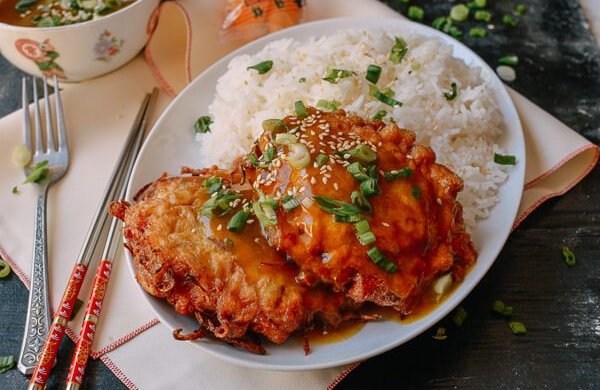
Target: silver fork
[{"x": 56, "y": 152}]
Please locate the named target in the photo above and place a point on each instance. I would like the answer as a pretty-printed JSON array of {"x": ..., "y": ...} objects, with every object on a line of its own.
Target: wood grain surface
[{"x": 559, "y": 70}]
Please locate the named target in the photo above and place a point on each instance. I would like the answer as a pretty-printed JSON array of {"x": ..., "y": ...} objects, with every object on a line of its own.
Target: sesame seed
[
  {"x": 336, "y": 186},
  {"x": 313, "y": 181},
  {"x": 385, "y": 224},
  {"x": 249, "y": 221},
  {"x": 257, "y": 240},
  {"x": 439, "y": 201},
  {"x": 220, "y": 227}
]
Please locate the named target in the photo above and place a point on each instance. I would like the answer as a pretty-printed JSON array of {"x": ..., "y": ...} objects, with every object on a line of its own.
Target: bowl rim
[{"x": 133, "y": 5}]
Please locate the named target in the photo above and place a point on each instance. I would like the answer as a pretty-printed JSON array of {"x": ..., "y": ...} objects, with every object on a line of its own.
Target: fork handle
[
  {"x": 38, "y": 310},
  {"x": 88, "y": 328},
  {"x": 57, "y": 330}
]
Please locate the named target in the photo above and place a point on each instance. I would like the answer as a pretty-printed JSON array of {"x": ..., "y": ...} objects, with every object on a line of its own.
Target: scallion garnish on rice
[
  {"x": 504, "y": 159},
  {"x": 379, "y": 114},
  {"x": 398, "y": 51},
  {"x": 373, "y": 73},
  {"x": 202, "y": 125},
  {"x": 274, "y": 125},
  {"x": 453, "y": 92},
  {"x": 334, "y": 75},
  {"x": 384, "y": 98},
  {"x": 328, "y": 105},
  {"x": 262, "y": 67},
  {"x": 300, "y": 109}
]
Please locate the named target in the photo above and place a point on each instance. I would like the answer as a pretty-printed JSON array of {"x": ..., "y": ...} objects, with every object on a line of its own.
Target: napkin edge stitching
[
  {"x": 342, "y": 375},
  {"x": 562, "y": 162},
  {"x": 564, "y": 190},
  {"x": 118, "y": 373}
]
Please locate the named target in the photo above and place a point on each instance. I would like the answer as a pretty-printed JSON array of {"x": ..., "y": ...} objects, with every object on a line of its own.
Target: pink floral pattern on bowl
[
  {"x": 43, "y": 54},
  {"x": 107, "y": 46}
]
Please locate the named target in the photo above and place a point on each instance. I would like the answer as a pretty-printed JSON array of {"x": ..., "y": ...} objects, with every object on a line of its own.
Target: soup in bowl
[{"x": 73, "y": 39}]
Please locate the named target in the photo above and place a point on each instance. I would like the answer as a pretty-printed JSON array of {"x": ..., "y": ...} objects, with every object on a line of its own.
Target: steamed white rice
[{"x": 462, "y": 132}]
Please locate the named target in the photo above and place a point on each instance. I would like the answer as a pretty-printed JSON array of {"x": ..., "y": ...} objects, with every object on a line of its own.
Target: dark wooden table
[{"x": 559, "y": 70}]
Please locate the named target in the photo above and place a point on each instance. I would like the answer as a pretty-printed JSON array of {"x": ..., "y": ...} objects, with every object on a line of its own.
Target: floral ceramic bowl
[{"x": 81, "y": 51}]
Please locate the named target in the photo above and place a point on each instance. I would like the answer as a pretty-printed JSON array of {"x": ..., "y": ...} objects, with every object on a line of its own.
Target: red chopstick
[
  {"x": 47, "y": 358},
  {"x": 94, "y": 307}
]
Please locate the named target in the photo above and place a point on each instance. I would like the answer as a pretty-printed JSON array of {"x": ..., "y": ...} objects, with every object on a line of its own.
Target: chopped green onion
[
  {"x": 4, "y": 269},
  {"x": 228, "y": 242},
  {"x": 290, "y": 202},
  {"x": 373, "y": 73},
  {"x": 38, "y": 173},
  {"x": 416, "y": 192},
  {"x": 362, "y": 226},
  {"x": 398, "y": 174},
  {"x": 358, "y": 172},
  {"x": 359, "y": 199},
  {"x": 298, "y": 155},
  {"x": 328, "y": 105},
  {"x": 440, "y": 22},
  {"x": 253, "y": 160},
  {"x": 508, "y": 20},
  {"x": 274, "y": 125},
  {"x": 334, "y": 75},
  {"x": 362, "y": 153},
  {"x": 379, "y": 258},
  {"x": 321, "y": 159},
  {"x": 504, "y": 159},
  {"x": 453, "y": 92},
  {"x": 285, "y": 139},
  {"x": 202, "y": 125},
  {"x": 238, "y": 221},
  {"x": 379, "y": 114},
  {"x": 518, "y": 328},
  {"x": 440, "y": 334},
  {"x": 300, "y": 109},
  {"x": 15, "y": 190},
  {"x": 336, "y": 207},
  {"x": 23, "y": 4},
  {"x": 520, "y": 9},
  {"x": 569, "y": 256},
  {"x": 367, "y": 238},
  {"x": 480, "y": 3},
  {"x": 347, "y": 218},
  {"x": 398, "y": 51},
  {"x": 78, "y": 305},
  {"x": 214, "y": 184},
  {"x": 370, "y": 188},
  {"x": 477, "y": 32},
  {"x": 379, "y": 95},
  {"x": 302, "y": 80},
  {"x": 219, "y": 204},
  {"x": 500, "y": 308},
  {"x": 416, "y": 13},
  {"x": 363, "y": 232},
  {"x": 270, "y": 154},
  {"x": 510, "y": 60},
  {"x": 6, "y": 363},
  {"x": 21, "y": 156},
  {"x": 262, "y": 67},
  {"x": 459, "y": 12},
  {"x": 265, "y": 213},
  {"x": 460, "y": 315},
  {"x": 483, "y": 16}
]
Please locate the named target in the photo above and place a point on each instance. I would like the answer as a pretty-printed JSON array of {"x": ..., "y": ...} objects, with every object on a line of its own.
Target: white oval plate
[{"x": 171, "y": 144}]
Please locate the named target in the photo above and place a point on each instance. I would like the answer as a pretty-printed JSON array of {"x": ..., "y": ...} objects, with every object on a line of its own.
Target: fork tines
[{"x": 43, "y": 144}]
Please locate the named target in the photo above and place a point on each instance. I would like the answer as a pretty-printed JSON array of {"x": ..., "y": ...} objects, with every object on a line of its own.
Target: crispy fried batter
[{"x": 178, "y": 256}]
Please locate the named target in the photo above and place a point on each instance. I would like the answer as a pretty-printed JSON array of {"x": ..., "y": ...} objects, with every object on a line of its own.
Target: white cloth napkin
[{"x": 99, "y": 114}]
